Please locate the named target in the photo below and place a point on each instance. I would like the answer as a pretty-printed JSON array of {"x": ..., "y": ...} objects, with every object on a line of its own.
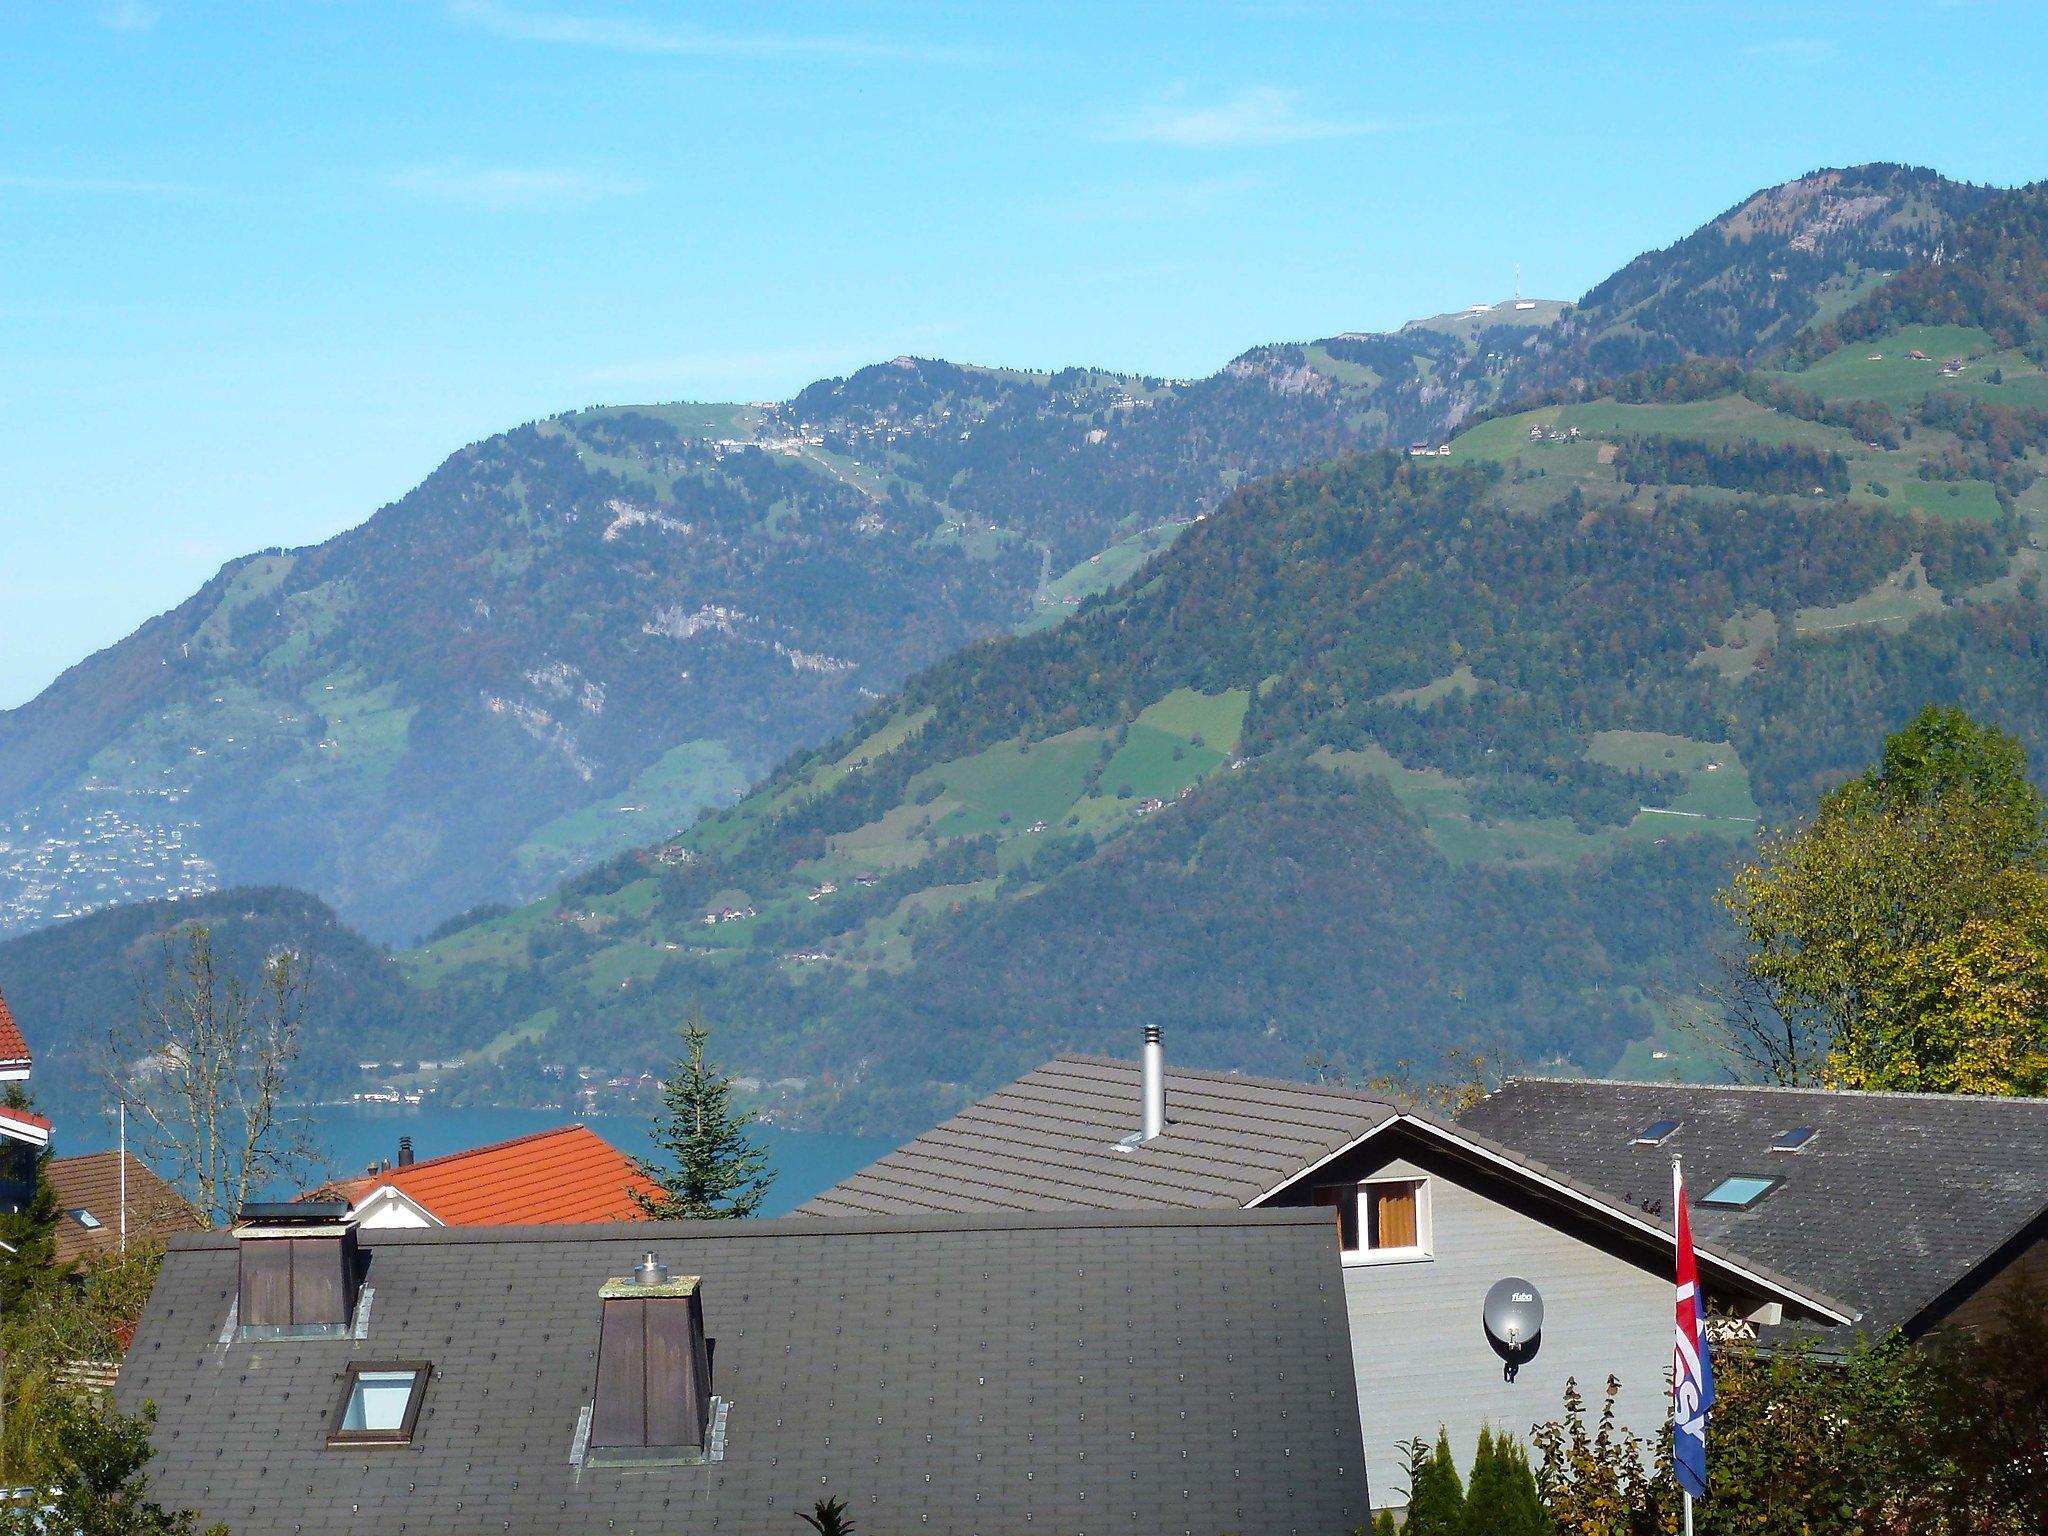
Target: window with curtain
[{"x": 1382, "y": 1216}]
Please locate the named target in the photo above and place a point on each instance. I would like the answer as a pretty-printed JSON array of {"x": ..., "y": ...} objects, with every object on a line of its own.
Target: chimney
[
  {"x": 1152, "y": 1083},
  {"x": 405, "y": 1151},
  {"x": 653, "y": 1398},
  {"x": 296, "y": 1270}
]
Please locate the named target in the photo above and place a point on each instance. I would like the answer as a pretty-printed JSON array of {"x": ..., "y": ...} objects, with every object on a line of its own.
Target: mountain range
[
  {"x": 1373, "y": 753},
  {"x": 575, "y": 636}
]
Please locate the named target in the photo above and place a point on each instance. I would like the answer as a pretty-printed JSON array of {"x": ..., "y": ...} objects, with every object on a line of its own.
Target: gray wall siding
[{"x": 1421, "y": 1354}]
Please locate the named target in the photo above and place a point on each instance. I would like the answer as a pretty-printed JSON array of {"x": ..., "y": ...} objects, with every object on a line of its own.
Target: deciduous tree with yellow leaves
[{"x": 1899, "y": 940}]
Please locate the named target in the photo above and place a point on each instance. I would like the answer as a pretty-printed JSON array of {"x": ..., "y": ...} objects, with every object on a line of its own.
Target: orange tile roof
[
  {"x": 13, "y": 1048},
  {"x": 568, "y": 1174}
]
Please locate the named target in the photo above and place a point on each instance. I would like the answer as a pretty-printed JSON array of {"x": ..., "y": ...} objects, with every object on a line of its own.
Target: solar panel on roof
[
  {"x": 1656, "y": 1133},
  {"x": 1794, "y": 1139}
]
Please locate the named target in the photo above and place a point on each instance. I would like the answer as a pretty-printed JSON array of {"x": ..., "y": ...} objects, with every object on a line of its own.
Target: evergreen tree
[
  {"x": 1383, "y": 1524},
  {"x": 1436, "y": 1499},
  {"x": 715, "y": 1168},
  {"x": 1501, "y": 1498},
  {"x": 30, "y": 1233}
]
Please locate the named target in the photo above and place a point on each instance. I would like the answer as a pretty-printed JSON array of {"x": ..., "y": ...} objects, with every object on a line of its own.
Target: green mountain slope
[
  {"x": 574, "y": 636},
  {"x": 68, "y": 984},
  {"x": 1388, "y": 754}
]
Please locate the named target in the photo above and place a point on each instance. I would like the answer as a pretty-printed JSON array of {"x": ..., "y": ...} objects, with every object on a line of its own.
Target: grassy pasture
[
  {"x": 1900, "y": 598},
  {"x": 1213, "y": 719},
  {"x": 1460, "y": 681},
  {"x": 1884, "y": 370},
  {"x": 1717, "y": 782},
  {"x": 663, "y": 797},
  {"x": 1111, "y": 568},
  {"x": 1025, "y": 782}
]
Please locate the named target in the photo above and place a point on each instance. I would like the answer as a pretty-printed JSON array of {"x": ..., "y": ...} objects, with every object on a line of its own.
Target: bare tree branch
[{"x": 203, "y": 1065}]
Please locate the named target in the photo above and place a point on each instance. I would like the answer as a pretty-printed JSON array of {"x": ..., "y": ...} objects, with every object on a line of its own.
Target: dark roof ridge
[
  {"x": 1213, "y": 1075},
  {"x": 1076, "y": 1217},
  {"x": 1787, "y": 1088}
]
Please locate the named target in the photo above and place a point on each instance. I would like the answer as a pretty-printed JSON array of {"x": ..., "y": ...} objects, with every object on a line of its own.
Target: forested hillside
[
  {"x": 70, "y": 985},
  {"x": 1388, "y": 754},
  {"x": 573, "y": 637}
]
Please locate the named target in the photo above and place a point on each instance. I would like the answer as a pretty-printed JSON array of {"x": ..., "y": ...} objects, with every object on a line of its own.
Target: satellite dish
[{"x": 1514, "y": 1322}]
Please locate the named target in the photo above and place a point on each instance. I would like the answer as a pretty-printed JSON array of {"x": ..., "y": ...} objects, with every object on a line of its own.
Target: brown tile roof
[
  {"x": 566, "y": 1175},
  {"x": 92, "y": 1183},
  {"x": 13, "y": 1048}
]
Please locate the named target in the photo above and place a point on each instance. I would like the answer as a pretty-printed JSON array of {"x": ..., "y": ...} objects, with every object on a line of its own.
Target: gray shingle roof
[
  {"x": 1895, "y": 1199},
  {"x": 1048, "y": 1141},
  {"x": 1148, "y": 1372}
]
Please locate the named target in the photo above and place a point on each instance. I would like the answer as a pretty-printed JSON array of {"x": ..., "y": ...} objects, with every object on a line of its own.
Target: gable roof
[
  {"x": 25, "y": 1125},
  {"x": 14, "y": 1051},
  {"x": 92, "y": 1183},
  {"x": 960, "y": 1374},
  {"x": 564, "y": 1175},
  {"x": 1896, "y": 1198},
  {"x": 1049, "y": 1141}
]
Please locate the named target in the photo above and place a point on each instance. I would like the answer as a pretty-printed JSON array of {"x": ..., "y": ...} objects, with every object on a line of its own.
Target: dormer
[{"x": 298, "y": 1275}]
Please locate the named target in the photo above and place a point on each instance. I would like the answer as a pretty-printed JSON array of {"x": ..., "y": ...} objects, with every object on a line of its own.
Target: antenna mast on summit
[{"x": 1518, "y": 282}]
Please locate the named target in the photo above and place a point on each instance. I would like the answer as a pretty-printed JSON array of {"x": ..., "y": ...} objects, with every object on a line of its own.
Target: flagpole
[{"x": 1677, "y": 1208}]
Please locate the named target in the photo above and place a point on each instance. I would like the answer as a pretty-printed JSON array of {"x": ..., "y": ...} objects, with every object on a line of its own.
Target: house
[
  {"x": 1914, "y": 1208},
  {"x": 112, "y": 1202},
  {"x": 988, "y": 1373},
  {"x": 24, "y": 1134},
  {"x": 1427, "y": 1217},
  {"x": 568, "y": 1174}
]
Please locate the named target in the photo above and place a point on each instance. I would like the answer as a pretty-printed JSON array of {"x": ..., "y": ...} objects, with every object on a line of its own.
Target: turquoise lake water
[{"x": 354, "y": 1135}]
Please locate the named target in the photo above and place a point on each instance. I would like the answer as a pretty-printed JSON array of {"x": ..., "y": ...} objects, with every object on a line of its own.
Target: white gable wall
[
  {"x": 388, "y": 1206},
  {"x": 1421, "y": 1354}
]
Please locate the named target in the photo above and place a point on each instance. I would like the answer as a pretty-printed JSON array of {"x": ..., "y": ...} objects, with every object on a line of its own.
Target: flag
[{"x": 1692, "y": 1374}]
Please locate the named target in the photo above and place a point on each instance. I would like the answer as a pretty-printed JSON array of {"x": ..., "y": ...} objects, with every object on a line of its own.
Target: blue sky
[{"x": 263, "y": 265}]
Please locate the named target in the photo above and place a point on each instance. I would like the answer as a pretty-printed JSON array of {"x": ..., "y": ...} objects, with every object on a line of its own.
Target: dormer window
[
  {"x": 1381, "y": 1220},
  {"x": 380, "y": 1403}
]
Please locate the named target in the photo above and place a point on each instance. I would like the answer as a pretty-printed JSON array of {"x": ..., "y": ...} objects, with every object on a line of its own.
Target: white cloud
[
  {"x": 1795, "y": 50},
  {"x": 511, "y": 186},
  {"x": 129, "y": 16},
  {"x": 1260, "y": 115},
  {"x": 627, "y": 34}
]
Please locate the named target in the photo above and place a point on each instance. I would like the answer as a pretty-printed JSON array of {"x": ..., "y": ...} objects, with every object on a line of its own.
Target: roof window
[
  {"x": 380, "y": 1403},
  {"x": 1739, "y": 1191},
  {"x": 1656, "y": 1133},
  {"x": 1794, "y": 1139},
  {"x": 86, "y": 1219}
]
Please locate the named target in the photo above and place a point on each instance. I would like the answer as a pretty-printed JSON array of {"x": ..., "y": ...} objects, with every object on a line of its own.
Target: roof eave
[{"x": 1604, "y": 1206}]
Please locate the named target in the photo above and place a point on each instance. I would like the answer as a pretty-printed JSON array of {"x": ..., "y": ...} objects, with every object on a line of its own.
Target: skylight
[
  {"x": 1740, "y": 1191},
  {"x": 1656, "y": 1133},
  {"x": 87, "y": 1220},
  {"x": 379, "y": 1404},
  {"x": 1793, "y": 1139}
]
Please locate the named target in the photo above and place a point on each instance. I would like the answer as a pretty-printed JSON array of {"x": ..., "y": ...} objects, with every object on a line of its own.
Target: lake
[{"x": 354, "y": 1135}]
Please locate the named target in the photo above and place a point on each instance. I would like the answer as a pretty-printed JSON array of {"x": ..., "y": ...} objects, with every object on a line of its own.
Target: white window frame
[{"x": 1424, "y": 1247}]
